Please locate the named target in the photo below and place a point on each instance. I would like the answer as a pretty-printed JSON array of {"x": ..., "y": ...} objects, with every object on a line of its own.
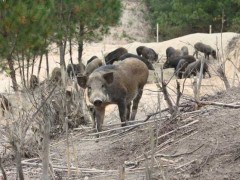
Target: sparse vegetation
[
  {"x": 180, "y": 17},
  {"x": 184, "y": 128}
]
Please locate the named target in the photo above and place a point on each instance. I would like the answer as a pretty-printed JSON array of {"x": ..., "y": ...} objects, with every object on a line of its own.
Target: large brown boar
[
  {"x": 116, "y": 84},
  {"x": 206, "y": 49}
]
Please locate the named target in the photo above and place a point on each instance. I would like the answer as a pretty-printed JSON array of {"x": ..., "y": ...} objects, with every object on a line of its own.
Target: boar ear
[
  {"x": 108, "y": 77},
  {"x": 82, "y": 81}
]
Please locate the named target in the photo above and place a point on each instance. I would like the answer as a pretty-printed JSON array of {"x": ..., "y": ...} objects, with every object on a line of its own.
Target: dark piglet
[
  {"x": 182, "y": 64},
  {"x": 173, "y": 61},
  {"x": 147, "y": 53},
  {"x": 33, "y": 82},
  {"x": 194, "y": 68},
  {"x": 128, "y": 55},
  {"x": 206, "y": 49},
  {"x": 171, "y": 52},
  {"x": 184, "y": 51},
  {"x": 114, "y": 55},
  {"x": 116, "y": 84},
  {"x": 56, "y": 75},
  {"x": 5, "y": 104},
  {"x": 74, "y": 68}
]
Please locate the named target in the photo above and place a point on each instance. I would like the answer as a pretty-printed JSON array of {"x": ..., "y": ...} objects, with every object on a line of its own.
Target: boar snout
[{"x": 97, "y": 102}]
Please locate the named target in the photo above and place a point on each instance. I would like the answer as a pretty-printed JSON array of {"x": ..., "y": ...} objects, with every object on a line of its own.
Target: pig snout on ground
[
  {"x": 172, "y": 62},
  {"x": 111, "y": 84},
  {"x": 147, "y": 53}
]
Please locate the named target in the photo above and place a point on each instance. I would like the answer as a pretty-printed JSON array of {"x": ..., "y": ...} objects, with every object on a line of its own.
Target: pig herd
[{"x": 120, "y": 78}]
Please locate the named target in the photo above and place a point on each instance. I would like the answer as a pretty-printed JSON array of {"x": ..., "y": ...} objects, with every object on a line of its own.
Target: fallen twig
[
  {"x": 236, "y": 105},
  {"x": 181, "y": 127},
  {"x": 186, "y": 164},
  {"x": 65, "y": 168}
]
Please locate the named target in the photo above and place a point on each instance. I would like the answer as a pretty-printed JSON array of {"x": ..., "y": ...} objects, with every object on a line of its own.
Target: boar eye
[{"x": 103, "y": 86}]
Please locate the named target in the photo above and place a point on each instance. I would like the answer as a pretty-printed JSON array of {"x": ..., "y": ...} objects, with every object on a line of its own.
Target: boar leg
[
  {"x": 99, "y": 113},
  {"x": 135, "y": 104},
  {"x": 122, "y": 107},
  {"x": 128, "y": 110}
]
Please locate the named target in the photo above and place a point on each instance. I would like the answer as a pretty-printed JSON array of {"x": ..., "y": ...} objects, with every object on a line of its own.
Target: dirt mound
[{"x": 199, "y": 145}]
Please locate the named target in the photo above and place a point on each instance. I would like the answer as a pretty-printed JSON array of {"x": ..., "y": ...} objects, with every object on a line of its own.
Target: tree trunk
[
  {"x": 12, "y": 73},
  {"x": 28, "y": 67},
  {"x": 23, "y": 71},
  {"x": 70, "y": 50},
  {"x": 47, "y": 65},
  {"x": 80, "y": 43},
  {"x": 33, "y": 64},
  {"x": 20, "y": 69},
  {"x": 18, "y": 162},
  {"x": 3, "y": 171},
  {"x": 46, "y": 141},
  {"x": 62, "y": 61},
  {"x": 39, "y": 65}
]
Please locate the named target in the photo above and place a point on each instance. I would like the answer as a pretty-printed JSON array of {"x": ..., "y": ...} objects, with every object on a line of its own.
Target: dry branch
[
  {"x": 236, "y": 106},
  {"x": 223, "y": 76},
  {"x": 181, "y": 127}
]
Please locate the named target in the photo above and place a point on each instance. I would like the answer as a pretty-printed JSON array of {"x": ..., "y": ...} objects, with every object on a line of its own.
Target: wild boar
[
  {"x": 172, "y": 62},
  {"x": 128, "y": 55},
  {"x": 75, "y": 68},
  {"x": 116, "y": 84},
  {"x": 94, "y": 64},
  {"x": 171, "y": 52},
  {"x": 114, "y": 55},
  {"x": 147, "y": 53},
  {"x": 181, "y": 68},
  {"x": 5, "y": 104},
  {"x": 33, "y": 82},
  {"x": 194, "y": 68},
  {"x": 56, "y": 75},
  {"x": 206, "y": 49},
  {"x": 91, "y": 59},
  {"x": 184, "y": 51}
]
